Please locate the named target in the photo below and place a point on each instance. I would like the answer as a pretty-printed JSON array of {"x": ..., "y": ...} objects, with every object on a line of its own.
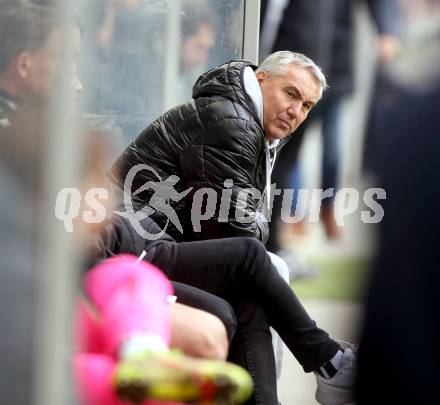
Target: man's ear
[
  {"x": 22, "y": 63},
  {"x": 261, "y": 76}
]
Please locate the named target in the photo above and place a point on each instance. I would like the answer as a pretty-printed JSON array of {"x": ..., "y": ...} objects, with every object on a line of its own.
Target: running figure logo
[{"x": 164, "y": 192}]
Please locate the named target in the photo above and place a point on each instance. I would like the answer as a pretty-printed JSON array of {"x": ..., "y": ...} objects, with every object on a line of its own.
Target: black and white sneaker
[{"x": 339, "y": 389}]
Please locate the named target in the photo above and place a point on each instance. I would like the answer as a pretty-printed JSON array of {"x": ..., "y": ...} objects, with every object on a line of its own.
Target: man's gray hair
[{"x": 276, "y": 64}]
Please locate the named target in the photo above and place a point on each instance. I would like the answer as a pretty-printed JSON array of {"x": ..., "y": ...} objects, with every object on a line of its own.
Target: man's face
[
  {"x": 196, "y": 48},
  {"x": 287, "y": 100},
  {"x": 43, "y": 69}
]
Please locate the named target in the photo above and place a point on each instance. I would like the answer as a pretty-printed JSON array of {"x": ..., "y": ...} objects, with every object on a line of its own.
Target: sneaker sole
[{"x": 326, "y": 398}]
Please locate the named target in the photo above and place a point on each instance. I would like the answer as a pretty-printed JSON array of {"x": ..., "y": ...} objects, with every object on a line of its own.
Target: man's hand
[{"x": 198, "y": 333}]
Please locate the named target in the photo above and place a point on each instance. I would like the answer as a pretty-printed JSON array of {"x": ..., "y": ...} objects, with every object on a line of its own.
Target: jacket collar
[{"x": 8, "y": 102}]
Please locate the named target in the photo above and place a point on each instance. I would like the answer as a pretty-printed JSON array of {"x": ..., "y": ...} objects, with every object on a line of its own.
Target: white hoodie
[{"x": 253, "y": 90}]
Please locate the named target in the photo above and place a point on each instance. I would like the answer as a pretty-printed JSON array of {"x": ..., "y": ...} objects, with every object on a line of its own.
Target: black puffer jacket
[{"x": 205, "y": 142}]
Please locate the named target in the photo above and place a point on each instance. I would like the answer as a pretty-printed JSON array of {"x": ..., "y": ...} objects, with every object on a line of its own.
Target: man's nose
[{"x": 294, "y": 110}]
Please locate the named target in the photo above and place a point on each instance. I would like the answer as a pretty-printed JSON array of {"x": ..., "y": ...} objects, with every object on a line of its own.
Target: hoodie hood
[{"x": 226, "y": 81}]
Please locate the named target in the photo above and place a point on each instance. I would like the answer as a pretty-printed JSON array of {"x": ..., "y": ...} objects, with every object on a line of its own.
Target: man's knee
[
  {"x": 252, "y": 246},
  {"x": 215, "y": 343},
  {"x": 198, "y": 333},
  {"x": 195, "y": 298}
]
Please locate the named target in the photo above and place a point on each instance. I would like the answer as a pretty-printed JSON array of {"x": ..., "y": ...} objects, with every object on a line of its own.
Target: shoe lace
[
  {"x": 352, "y": 346},
  {"x": 352, "y": 360}
]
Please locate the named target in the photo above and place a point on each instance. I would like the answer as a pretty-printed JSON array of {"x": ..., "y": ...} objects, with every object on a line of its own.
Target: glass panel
[
  {"x": 137, "y": 57},
  {"x": 141, "y": 57}
]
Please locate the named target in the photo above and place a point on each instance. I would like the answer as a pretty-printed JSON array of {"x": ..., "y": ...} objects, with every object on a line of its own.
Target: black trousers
[
  {"x": 252, "y": 349},
  {"x": 240, "y": 270}
]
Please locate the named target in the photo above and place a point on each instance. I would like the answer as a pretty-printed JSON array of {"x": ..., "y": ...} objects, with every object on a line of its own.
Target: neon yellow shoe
[{"x": 172, "y": 376}]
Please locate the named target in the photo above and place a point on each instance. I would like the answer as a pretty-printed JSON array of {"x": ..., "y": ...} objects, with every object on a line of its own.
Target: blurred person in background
[
  {"x": 399, "y": 350},
  {"x": 30, "y": 49},
  {"x": 391, "y": 80},
  {"x": 324, "y": 30}
]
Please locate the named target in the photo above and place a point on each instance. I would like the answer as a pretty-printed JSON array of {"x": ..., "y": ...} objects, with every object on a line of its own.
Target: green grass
[{"x": 339, "y": 279}]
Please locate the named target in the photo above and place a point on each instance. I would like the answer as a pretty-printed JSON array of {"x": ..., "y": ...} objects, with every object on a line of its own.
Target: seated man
[{"x": 221, "y": 147}]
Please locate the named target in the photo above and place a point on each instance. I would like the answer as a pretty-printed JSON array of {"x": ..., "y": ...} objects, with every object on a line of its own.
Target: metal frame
[
  {"x": 251, "y": 30},
  {"x": 57, "y": 279}
]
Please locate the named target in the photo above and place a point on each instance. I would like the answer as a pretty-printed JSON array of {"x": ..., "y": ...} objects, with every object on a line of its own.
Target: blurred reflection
[
  {"x": 125, "y": 45},
  {"x": 115, "y": 56},
  {"x": 199, "y": 30}
]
